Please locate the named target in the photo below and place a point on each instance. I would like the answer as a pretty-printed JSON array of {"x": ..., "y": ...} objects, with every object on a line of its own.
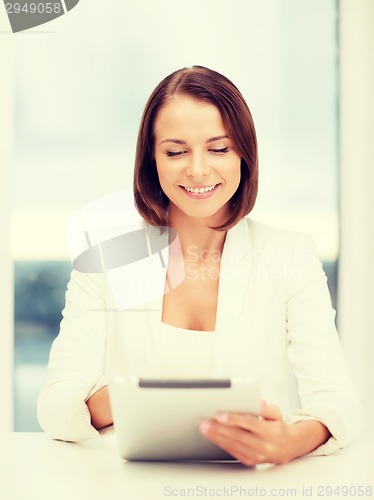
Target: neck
[{"x": 197, "y": 238}]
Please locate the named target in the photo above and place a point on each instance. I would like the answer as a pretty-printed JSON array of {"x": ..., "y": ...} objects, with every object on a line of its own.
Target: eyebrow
[{"x": 179, "y": 141}]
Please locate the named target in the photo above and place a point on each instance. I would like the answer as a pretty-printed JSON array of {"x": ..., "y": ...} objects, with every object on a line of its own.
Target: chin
[{"x": 219, "y": 213}]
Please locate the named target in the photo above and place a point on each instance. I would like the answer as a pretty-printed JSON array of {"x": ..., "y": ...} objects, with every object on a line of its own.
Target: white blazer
[{"x": 273, "y": 308}]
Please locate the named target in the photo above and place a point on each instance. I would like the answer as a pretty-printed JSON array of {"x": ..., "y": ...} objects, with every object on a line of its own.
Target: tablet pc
[{"x": 159, "y": 419}]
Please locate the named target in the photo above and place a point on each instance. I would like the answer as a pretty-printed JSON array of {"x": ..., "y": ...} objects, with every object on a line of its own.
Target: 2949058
[{"x": 34, "y": 8}]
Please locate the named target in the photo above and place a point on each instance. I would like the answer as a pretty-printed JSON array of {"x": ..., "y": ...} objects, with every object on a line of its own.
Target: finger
[
  {"x": 228, "y": 439},
  {"x": 234, "y": 433},
  {"x": 246, "y": 421},
  {"x": 236, "y": 450},
  {"x": 270, "y": 412}
]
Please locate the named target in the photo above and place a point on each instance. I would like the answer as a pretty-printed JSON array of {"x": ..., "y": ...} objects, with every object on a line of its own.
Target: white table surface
[{"x": 33, "y": 466}]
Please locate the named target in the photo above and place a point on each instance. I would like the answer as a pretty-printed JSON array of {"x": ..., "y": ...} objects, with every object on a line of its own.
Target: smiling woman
[{"x": 251, "y": 298}]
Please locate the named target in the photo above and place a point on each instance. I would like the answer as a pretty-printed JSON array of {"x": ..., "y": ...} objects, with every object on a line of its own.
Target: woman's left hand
[{"x": 250, "y": 439}]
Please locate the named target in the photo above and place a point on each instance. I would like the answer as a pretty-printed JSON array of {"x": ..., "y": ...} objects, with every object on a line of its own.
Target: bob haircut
[{"x": 202, "y": 84}]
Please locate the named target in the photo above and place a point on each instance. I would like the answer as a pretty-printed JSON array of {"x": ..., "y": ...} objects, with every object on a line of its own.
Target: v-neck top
[{"x": 185, "y": 353}]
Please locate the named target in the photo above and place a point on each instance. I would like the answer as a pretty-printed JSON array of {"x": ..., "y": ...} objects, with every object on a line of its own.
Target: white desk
[{"x": 32, "y": 466}]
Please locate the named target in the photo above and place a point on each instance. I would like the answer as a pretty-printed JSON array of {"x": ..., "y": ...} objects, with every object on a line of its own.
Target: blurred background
[{"x": 79, "y": 86}]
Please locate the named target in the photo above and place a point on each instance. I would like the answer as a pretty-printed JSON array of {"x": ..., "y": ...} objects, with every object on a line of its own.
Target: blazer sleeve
[
  {"x": 76, "y": 363},
  {"x": 326, "y": 391}
]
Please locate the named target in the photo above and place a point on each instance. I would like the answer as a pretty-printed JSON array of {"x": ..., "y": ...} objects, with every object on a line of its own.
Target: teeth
[{"x": 200, "y": 190}]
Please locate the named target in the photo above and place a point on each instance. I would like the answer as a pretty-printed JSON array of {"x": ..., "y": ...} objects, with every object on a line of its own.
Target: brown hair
[{"x": 202, "y": 84}]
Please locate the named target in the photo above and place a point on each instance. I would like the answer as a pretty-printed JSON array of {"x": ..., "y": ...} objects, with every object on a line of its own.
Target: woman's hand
[{"x": 253, "y": 440}]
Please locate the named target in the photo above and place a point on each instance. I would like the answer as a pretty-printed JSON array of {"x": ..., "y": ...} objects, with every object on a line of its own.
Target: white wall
[{"x": 356, "y": 270}]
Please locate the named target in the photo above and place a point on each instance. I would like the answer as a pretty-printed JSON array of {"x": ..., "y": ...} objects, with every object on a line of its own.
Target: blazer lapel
[{"x": 234, "y": 275}]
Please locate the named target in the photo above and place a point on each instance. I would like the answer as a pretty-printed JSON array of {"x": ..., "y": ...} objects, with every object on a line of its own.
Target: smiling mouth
[{"x": 200, "y": 189}]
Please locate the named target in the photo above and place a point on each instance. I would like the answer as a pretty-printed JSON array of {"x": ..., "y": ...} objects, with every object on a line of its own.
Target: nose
[{"x": 198, "y": 167}]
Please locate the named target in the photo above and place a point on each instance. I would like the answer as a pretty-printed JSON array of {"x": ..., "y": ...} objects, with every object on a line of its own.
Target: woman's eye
[
  {"x": 174, "y": 153},
  {"x": 222, "y": 150},
  {"x": 180, "y": 153}
]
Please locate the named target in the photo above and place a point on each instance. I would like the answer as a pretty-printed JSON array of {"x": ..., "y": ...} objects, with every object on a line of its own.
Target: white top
[{"x": 185, "y": 353}]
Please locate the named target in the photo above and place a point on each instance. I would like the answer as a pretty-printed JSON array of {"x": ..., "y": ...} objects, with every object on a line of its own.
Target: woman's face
[{"x": 197, "y": 165}]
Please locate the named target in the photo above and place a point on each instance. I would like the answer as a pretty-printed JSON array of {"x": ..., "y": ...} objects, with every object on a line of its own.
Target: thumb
[{"x": 270, "y": 412}]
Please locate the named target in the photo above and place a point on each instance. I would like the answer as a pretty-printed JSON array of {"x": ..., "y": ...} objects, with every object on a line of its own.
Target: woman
[{"x": 251, "y": 295}]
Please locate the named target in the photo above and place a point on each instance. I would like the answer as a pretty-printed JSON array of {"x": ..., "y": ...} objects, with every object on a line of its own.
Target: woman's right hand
[{"x": 99, "y": 407}]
